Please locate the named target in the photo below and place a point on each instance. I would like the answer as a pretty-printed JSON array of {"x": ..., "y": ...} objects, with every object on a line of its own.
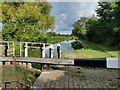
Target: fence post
[
  {"x": 26, "y": 49},
  {"x": 42, "y": 50},
  {"x": 59, "y": 50},
  {"x": 6, "y": 48},
  {"x": 51, "y": 51}
]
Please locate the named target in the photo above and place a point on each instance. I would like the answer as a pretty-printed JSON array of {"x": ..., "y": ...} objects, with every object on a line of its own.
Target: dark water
[{"x": 65, "y": 47}]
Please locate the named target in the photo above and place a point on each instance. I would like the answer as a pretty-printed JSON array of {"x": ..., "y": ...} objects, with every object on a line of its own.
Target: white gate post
[
  {"x": 26, "y": 49},
  {"x": 51, "y": 51},
  {"x": 43, "y": 52},
  {"x": 59, "y": 50}
]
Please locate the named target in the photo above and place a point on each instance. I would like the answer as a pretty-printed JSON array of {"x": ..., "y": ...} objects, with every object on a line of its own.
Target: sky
[{"x": 66, "y": 13}]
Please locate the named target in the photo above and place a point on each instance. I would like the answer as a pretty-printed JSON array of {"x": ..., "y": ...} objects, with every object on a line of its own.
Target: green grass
[
  {"x": 113, "y": 53},
  {"x": 115, "y": 84},
  {"x": 93, "y": 46},
  {"x": 93, "y": 51},
  {"x": 31, "y": 52},
  {"x": 34, "y": 52},
  {"x": 17, "y": 48}
]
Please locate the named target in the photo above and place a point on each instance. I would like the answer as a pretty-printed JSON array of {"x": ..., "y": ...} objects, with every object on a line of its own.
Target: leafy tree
[
  {"x": 108, "y": 17},
  {"x": 105, "y": 28},
  {"x": 25, "y": 21},
  {"x": 0, "y": 12},
  {"x": 80, "y": 27},
  {"x": 91, "y": 27},
  {"x": 116, "y": 29},
  {"x": 77, "y": 45}
]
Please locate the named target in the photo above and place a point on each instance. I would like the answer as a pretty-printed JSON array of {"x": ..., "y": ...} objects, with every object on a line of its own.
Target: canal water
[{"x": 65, "y": 47}]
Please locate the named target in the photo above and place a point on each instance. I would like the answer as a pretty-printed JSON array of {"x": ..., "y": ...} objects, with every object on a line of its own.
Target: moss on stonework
[{"x": 17, "y": 76}]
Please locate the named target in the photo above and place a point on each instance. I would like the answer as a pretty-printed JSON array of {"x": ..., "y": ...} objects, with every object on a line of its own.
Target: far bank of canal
[{"x": 91, "y": 50}]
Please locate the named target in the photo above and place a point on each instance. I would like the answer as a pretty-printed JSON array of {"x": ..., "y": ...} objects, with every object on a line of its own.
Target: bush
[{"x": 77, "y": 45}]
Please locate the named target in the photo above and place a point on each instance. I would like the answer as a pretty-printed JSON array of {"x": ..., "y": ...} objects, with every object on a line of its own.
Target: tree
[
  {"x": 91, "y": 29},
  {"x": 105, "y": 28},
  {"x": 25, "y": 21},
  {"x": 116, "y": 30},
  {"x": 80, "y": 27},
  {"x": 0, "y": 13},
  {"x": 108, "y": 13}
]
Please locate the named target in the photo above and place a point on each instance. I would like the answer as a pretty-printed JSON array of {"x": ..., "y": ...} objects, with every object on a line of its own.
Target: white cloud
[
  {"x": 63, "y": 16},
  {"x": 66, "y": 13}
]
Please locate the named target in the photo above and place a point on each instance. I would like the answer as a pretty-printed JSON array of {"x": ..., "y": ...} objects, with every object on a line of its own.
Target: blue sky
[{"x": 66, "y": 13}]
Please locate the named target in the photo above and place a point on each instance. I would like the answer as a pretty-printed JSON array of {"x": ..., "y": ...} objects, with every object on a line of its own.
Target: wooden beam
[
  {"x": 40, "y": 60},
  {"x": 90, "y": 62},
  {"x": 46, "y": 60}
]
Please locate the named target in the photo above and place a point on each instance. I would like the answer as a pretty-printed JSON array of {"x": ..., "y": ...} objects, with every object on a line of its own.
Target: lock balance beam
[
  {"x": 98, "y": 62},
  {"x": 91, "y": 62}
]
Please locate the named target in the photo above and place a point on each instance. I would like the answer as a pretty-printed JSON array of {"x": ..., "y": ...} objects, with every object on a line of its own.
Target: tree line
[
  {"x": 26, "y": 21},
  {"x": 103, "y": 28}
]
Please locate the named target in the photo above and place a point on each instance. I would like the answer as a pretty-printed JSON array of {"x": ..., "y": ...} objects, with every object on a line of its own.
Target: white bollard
[
  {"x": 26, "y": 49},
  {"x": 43, "y": 52},
  {"x": 59, "y": 50},
  {"x": 29, "y": 65}
]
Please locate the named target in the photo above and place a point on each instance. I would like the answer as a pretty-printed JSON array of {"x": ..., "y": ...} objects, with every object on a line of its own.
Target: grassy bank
[
  {"x": 19, "y": 74},
  {"x": 92, "y": 51}
]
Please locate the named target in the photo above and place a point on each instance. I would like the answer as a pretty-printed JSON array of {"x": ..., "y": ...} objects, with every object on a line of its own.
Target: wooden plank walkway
[
  {"x": 70, "y": 76},
  {"x": 66, "y": 77}
]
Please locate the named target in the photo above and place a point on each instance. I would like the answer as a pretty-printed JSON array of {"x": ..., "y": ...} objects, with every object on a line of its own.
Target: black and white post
[
  {"x": 6, "y": 48},
  {"x": 59, "y": 50},
  {"x": 51, "y": 51},
  {"x": 42, "y": 50},
  {"x": 98, "y": 62},
  {"x": 26, "y": 49}
]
